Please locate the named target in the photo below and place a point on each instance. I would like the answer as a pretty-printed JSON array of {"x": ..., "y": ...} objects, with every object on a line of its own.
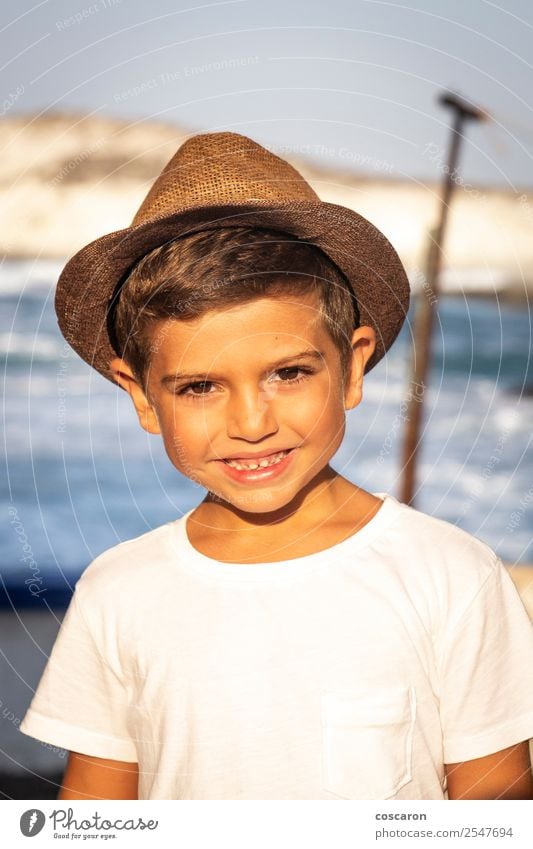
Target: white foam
[
  {"x": 30, "y": 345},
  {"x": 20, "y": 276}
]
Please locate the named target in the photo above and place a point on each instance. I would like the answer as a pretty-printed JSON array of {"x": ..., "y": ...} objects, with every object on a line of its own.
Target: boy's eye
[
  {"x": 196, "y": 388},
  {"x": 202, "y": 388},
  {"x": 289, "y": 373},
  {"x": 292, "y": 374}
]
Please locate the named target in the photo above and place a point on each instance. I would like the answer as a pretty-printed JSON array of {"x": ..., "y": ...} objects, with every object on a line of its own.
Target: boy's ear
[
  {"x": 124, "y": 376},
  {"x": 363, "y": 346}
]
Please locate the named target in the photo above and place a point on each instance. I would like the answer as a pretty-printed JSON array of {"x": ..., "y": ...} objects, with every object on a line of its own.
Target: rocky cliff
[{"x": 66, "y": 179}]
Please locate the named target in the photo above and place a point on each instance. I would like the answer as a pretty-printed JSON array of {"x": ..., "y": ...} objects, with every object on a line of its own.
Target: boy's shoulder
[
  {"x": 420, "y": 529},
  {"x": 432, "y": 555},
  {"x": 132, "y": 563}
]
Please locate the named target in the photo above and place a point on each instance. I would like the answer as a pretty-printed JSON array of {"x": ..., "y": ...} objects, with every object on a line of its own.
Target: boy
[{"x": 293, "y": 636}]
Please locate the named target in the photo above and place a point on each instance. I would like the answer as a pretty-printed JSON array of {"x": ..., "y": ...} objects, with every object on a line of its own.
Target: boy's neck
[{"x": 327, "y": 511}]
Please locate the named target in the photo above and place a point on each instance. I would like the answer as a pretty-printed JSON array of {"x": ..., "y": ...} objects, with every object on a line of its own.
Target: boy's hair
[{"x": 217, "y": 269}]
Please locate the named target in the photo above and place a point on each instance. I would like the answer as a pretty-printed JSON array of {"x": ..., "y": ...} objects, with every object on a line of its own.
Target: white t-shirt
[{"x": 351, "y": 673}]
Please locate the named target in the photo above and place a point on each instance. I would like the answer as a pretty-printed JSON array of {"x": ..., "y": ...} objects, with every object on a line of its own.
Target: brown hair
[{"x": 214, "y": 269}]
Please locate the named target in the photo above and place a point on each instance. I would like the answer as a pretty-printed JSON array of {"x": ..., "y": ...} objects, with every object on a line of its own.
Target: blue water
[{"x": 80, "y": 475}]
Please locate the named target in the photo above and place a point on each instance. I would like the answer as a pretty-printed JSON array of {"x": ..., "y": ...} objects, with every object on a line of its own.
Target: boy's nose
[{"x": 250, "y": 414}]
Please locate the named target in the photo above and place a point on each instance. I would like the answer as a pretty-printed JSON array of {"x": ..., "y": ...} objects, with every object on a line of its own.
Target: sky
[{"x": 348, "y": 83}]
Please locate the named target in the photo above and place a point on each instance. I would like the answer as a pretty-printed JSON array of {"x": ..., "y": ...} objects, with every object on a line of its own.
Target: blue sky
[{"x": 352, "y": 83}]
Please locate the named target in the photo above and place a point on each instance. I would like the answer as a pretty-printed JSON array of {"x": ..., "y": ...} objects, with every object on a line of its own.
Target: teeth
[{"x": 266, "y": 461}]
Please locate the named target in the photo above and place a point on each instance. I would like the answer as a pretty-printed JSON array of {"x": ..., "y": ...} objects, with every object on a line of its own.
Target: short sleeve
[
  {"x": 486, "y": 695},
  {"x": 80, "y": 703}
]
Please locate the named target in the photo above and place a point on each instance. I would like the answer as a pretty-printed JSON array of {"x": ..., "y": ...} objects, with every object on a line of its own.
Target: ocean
[{"x": 80, "y": 475}]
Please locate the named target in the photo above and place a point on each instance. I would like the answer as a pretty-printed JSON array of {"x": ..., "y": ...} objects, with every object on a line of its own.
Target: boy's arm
[
  {"x": 87, "y": 777},
  {"x": 503, "y": 775}
]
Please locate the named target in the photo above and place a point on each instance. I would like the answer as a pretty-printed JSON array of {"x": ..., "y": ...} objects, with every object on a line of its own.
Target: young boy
[{"x": 293, "y": 636}]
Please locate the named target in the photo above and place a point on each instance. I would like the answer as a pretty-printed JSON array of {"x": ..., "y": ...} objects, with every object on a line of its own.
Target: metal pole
[{"x": 427, "y": 300}]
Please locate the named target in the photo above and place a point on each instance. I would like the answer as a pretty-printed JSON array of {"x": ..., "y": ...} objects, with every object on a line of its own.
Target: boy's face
[{"x": 259, "y": 384}]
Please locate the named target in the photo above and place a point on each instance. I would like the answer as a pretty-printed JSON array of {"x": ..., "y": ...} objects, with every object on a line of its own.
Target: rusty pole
[{"x": 427, "y": 300}]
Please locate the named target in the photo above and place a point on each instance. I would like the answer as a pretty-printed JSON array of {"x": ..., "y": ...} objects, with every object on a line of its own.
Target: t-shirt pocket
[{"x": 367, "y": 742}]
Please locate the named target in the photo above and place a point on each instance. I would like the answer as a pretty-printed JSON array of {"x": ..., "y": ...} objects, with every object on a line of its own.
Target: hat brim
[{"x": 354, "y": 244}]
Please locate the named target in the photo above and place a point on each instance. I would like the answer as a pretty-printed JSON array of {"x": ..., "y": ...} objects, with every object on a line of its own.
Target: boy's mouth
[{"x": 242, "y": 463}]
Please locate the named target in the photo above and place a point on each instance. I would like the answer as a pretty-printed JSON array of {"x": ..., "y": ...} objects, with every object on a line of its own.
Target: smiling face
[{"x": 250, "y": 401}]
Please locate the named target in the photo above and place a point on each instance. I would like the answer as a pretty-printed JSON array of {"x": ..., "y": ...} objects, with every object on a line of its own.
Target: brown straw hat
[{"x": 222, "y": 180}]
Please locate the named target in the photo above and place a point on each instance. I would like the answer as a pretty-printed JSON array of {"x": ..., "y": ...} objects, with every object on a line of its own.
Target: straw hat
[{"x": 222, "y": 180}]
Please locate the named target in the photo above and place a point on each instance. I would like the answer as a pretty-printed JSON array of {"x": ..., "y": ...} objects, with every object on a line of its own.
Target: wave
[
  {"x": 22, "y": 276},
  {"x": 28, "y": 347}
]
